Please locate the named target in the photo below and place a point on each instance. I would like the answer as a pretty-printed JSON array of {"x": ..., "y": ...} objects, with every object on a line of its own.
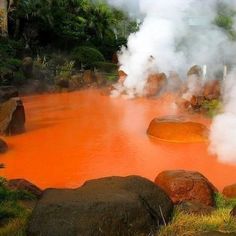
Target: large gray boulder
[{"x": 109, "y": 206}]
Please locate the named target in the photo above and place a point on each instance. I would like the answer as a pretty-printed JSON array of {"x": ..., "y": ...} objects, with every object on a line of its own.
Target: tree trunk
[{"x": 3, "y": 18}]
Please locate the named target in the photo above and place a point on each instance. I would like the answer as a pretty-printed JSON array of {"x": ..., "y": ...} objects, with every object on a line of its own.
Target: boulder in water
[
  {"x": 12, "y": 117},
  {"x": 3, "y": 146},
  {"x": 177, "y": 129},
  {"x": 155, "y": 84},
  {"x": 109, "y": 206},
  {"x": 181, "y": 185},
  {"x": 230, "y": 191}
]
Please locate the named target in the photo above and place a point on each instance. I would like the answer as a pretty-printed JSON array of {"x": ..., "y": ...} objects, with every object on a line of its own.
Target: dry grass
[{"x": 220, "y": 220}]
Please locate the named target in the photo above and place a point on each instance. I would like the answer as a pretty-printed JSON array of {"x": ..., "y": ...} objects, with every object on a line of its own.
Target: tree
[{"x": 4, "y": 17}]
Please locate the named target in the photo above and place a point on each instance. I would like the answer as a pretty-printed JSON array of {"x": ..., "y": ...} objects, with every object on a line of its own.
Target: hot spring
[{"x": 73, "y": 137}]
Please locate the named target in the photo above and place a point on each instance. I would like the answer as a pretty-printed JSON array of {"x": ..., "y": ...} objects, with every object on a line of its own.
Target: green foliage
[
  {"x": 212, "y": 107},
  {"x": 224, "y": 19},
  {"x": 112, "y": 77},
  {"x": 13, "y": 215},
  {"x": 65, "y": 70},
  {"x": 105, "y": 66},
  {"x": 87, "y": 56},
  {"x": 222, "y": 202}
]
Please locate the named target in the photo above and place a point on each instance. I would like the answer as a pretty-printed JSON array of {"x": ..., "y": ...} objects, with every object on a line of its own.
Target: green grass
[
  {"x": 13, "y": 214},
  {"x": 220, "y": 220}
]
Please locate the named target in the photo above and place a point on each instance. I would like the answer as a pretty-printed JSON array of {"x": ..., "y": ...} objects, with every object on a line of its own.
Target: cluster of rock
[
  {"x": 118, "y": 205},
  {"x": 192, "y": 93},
  {"x": 196, "y": 90}
]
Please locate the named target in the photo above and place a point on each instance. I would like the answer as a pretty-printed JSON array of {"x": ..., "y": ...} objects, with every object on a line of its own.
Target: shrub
[
  {"x": 212, "y": 107},
  {"x": 105, "y": 66},
  {"x": 86, "y": 56}
]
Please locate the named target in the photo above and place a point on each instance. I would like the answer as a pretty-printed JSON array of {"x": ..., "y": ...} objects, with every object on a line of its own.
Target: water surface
[{"x": 73, "y": 137}]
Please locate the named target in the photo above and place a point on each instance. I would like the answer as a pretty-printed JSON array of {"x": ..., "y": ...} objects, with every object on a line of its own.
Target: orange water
[{"x": 73, "y": 137}]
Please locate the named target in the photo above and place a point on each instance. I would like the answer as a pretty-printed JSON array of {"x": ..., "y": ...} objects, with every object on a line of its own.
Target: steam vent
[{"x": 177, "y": 130}]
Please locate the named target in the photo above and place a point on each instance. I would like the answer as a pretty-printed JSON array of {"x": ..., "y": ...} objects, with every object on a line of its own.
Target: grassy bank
[
  {"x": 220, "y": 220},
  {"x": 14, "y": 210}
]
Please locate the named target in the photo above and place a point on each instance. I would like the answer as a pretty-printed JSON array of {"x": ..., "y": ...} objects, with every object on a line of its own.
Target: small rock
[
  {"x": 230, "y": 191},
  {"x": 22, "y": 184},
  {"x": 181, "y": 185},
  {"x": 3, "y": 146},
  {"x": 193, "y": 207}
]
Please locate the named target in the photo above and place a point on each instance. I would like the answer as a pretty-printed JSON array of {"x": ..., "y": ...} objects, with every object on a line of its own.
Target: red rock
[
  {"x": 230, "y": 191},
  {"x": 212, "y": 89},
  {"x": 176, "y": 129},
  {"x": 88, "y": 77},
  {"x": 122, "y": 76},
  {"x": 183, "y": 185},
  {"x": 21, "y": 184},
  {"x": 155, "y": 83}
]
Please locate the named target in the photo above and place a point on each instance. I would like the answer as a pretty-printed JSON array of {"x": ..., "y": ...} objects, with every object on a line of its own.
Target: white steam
[
  {"x": 175, "y": 35},
  {"x": 223, "y": 129}
]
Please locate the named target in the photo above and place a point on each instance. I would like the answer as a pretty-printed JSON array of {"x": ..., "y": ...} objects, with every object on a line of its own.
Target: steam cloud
[
  {"x": 177, "y": 34},
  {"x": 223, "y": 129}
]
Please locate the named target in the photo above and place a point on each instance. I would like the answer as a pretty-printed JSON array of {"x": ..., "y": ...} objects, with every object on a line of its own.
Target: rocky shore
[{"x": 129, "y": 205}]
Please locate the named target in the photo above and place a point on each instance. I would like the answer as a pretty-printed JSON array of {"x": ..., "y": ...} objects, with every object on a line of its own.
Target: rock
[
  {"x": 181, "y": 185},
  {"x": 122, "y": 76},
  {"x": 196, "y": 102},
  {"x": 62, "y": 82},
  {"x": 193, "y": 207},
  {"x": 212, "y": 89},
  {"x": 109, "y": 206},
  {"x": 174, "y": 82},
  {"x": 3, "y": 146},
  {"x": 100, "y": 78},
  {"x": 155, "y": 84},
  {"x": 177, "y": 129},
  {"x": 230, "y": 191},
  {"x": 27, "y": 67},
  {"x": 12, "y": 117},
  {"x": 88, "y": 77},
  {"x": 195, "y": 70},
  {"x": 22, "y": 184},
  {"x": 8, "y": 92}
]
